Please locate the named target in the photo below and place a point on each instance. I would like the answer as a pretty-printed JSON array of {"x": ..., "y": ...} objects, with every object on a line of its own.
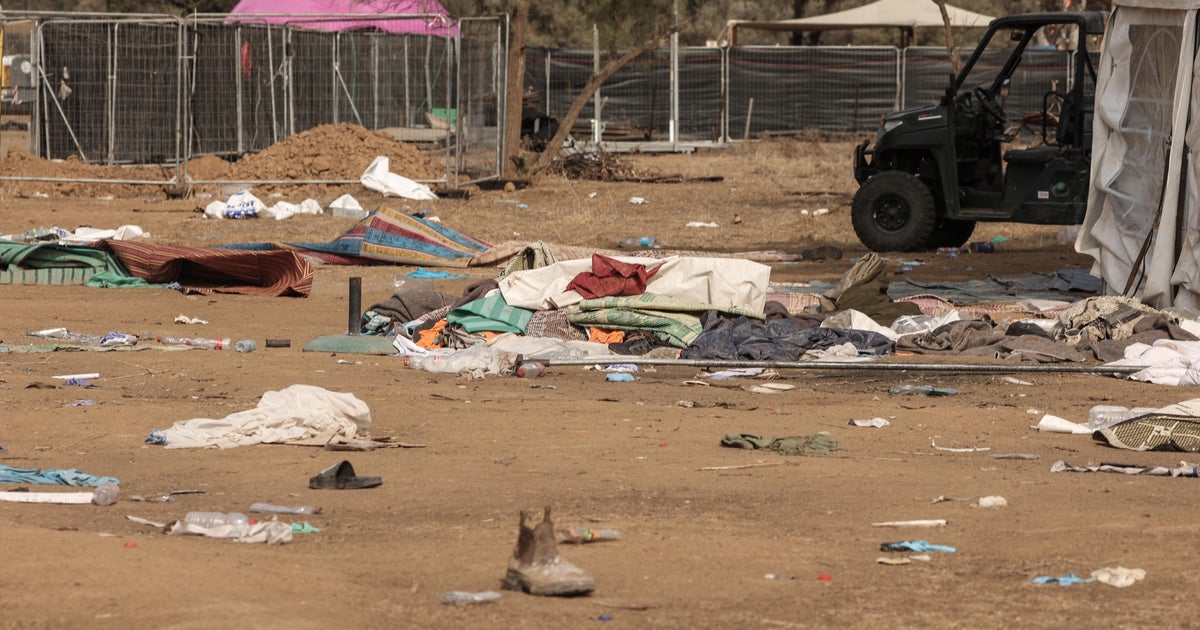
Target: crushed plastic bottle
[
  {"x": 580, "y": 535},
  {"x": 215, "y": 519},
  {"x": 196, "y": 342},
  {"x": 245, "y": 345},
  {"x": 105, "y": 494},
  {"x": 1104, "y": 416},
  {"x": 530, "y": 369},
  {"x": 463, "y": 598},
  {"x": 927, "y": 390}
]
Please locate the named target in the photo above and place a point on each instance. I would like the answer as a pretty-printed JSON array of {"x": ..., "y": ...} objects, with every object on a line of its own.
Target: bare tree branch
[{"x": 594, "y": 82}]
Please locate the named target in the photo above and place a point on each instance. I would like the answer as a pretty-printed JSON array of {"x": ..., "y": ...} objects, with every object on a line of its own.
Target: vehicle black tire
[
  {"x": 950, "y": 233},
  {"x": 893, "y": 212}
]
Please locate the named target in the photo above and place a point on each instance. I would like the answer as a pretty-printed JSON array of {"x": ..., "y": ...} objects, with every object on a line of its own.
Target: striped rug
[{"x": 208, "y": 270}]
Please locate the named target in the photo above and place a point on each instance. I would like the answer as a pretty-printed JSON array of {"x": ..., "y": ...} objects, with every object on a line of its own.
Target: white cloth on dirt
[
  {"x": 299, "y": 413},
  {"x": 1167, "y": 361},
  {"x": 547, "y": 348},
  {"x": 721, "y": 282},
  {"x": 378, "y": 177}
]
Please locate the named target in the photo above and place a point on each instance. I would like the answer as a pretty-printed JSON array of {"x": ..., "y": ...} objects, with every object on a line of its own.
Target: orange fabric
[
  {"x": 600, "y": 335},
  {"x": 428, "y": 338}
]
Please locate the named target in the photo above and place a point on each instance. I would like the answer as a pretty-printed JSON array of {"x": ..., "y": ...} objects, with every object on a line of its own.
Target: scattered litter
[
  {"x": 816, "y": 444},
  {"x": 637, "y": 201},
  {"x": 938, "y": 522},
  {"x": 70, "y": 377},
  {"x": 579, "y": 535},
  {"x": 184, "y": 319},
  {"x": 347, "y": 362},
  {"x": 591, "y": 195},
  {"x": 612, "y": 367},
  {"x": 927, "y": 390},
  {"x": 772, "y": 388},
  {"x": 1119, "y": 577},
  {"x": 778, "y": 576},
  {"x": 1183, "y": 470},
  {"x": 877, "y": 423},
  {"x": 1065, "y": 580},
  {"x": 1014, "y": 456},
  {"x": 463, "y": 598},
  {"x": 973, "y": 449},
  {"x": 423, "y": 273},
  {"x": 992, "y": 501},
  {"x": 81, "y": 403},
  {"x": 619, "y": 377},
  {"x": 268, "y": 508},
  {"x": 915, "y": 545},
  {"x": 943, "y": 499},
  {"x": 341, "y": 476},
  {"x": 378, "y": 177},
  {"x": 1054, "y": 424},
  {"x": 270, "y": 532},
  {"x": 64, "y": 498},
  {"x": 79, "y": 382},
  {"x": 1012, "y": 380},
  {"x": 734, "y": 373},
  {"x": 820, "y": 211},
  {"x": 304, "y": 528},
  {"x": 892, "y": 561},
  {"x": 701, "y": 224}
]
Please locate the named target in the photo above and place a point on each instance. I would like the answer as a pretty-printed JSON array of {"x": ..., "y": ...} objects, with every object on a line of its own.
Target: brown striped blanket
[{"x": 208, "y": 270}]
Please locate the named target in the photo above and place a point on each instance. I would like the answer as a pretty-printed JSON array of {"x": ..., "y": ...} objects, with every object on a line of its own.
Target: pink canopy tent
[{"x": 306, "y": 14}]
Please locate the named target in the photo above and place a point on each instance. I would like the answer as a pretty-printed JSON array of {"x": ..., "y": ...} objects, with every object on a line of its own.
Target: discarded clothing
[
  {"x": 270, "y": 532},
  {"x": 1065, "y": 580},
  {"x": 52, "y": 476},
  {"x": 673, "y": 319},
  {"x": 48, "y": 263},
  {"x": 915, "y": 545},
  {"x": 610, "y": 277},
  {"x": 817, "y": 444},
  {"x": 1125, "y": 469},
  {"x": 297, "y": 414},
  {"x": 783, "y": 339},
  {"x": 1119, "y": 577}
]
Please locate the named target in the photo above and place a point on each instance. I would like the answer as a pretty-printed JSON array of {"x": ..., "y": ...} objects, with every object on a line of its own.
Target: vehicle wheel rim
[{"x": 891, "y": 213}]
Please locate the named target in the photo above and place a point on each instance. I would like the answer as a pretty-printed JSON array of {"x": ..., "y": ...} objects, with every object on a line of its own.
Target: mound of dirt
[{"x": 325, "y": 153}]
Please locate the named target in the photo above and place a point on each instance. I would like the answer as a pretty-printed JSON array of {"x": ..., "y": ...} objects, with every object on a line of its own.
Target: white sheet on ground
[
  {"x": 718, "y": 281},
  {"x": 378, "y": 177},
  {"x": 851, "y": 319},
  {"x": 1167, "y": 361},
  {"x": 297, "y": 413}
]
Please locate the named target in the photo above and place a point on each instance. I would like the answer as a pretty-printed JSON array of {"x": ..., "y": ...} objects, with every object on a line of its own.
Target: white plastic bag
[{"x": 378, "y": 177}]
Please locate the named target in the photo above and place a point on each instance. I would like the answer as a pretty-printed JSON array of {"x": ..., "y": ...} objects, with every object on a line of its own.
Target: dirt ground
[{"x": 696, "y": 543}]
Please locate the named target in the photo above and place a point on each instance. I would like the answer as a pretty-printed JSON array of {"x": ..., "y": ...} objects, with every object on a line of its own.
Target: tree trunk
[
  {"x": 955, "y": 61},
  {"x": 554, "y": 146},
  {"x": 799, "y": 8},
  {"x": 514, "y": 86}
]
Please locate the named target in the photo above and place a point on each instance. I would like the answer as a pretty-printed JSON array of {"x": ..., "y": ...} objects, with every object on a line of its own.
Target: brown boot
[{"x": 536, "y": 568}]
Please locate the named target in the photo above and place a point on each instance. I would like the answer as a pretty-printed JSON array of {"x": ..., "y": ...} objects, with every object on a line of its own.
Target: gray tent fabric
[{"x": 1142, "y": 225}]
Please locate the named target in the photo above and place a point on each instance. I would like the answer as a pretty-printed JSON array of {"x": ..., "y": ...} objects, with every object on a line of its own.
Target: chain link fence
[{"x": 162, "y": 90}]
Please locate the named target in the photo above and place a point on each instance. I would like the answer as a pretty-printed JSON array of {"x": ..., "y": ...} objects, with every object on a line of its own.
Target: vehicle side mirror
[{"x": 1015, "y": 35}]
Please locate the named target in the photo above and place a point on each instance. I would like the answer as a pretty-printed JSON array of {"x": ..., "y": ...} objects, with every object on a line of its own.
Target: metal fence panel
[
  {"x": 480, "y": 98},
  {"x": 701, "y": 94},
  {"x": 793, "y": 89}
]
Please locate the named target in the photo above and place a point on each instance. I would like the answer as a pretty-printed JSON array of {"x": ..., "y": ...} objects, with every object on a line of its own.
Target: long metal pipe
[{"x": 881, "y": 366}]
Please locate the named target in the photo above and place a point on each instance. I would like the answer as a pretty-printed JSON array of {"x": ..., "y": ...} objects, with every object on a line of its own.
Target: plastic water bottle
[
  {"x": 246, "y": 345},
  {"x": 463, "y": 598},
  {"x": 531, "y": 369},
  {"x": 196, "y": 342},
  {"x": 215, "y": 519},
  {"x": 1104, "y": 416},
  {"x": 642, "y": 242},
  {"x": 105, "y": 494},
  {"x": 579, "y": 535},
  {"x": 283, "y": 509}
]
